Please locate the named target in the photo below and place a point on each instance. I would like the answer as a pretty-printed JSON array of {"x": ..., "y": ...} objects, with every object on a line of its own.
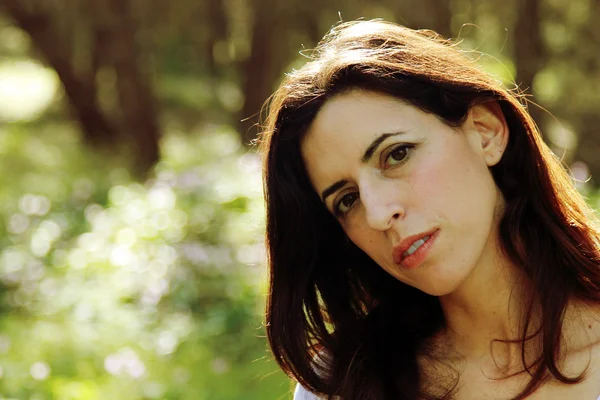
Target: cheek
[
  {"x": 369, "y": 241},
  {"x": 449, "y": 185},
  {"x": 433, "y": 180},
  {"x": 361, "y": 237}
]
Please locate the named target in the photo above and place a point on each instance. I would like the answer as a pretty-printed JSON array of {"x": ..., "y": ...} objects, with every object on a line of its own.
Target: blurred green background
[{"x": 131, "y": 255}]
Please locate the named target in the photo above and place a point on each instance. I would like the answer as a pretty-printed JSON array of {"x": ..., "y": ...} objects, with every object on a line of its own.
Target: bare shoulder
[
  {"x": 581, "y": 328},
  {"x": 581, "y": 354}
]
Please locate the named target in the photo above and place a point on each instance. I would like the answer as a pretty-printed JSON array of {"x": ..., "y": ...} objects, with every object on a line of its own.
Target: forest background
[{"x": 131, "y": 255}]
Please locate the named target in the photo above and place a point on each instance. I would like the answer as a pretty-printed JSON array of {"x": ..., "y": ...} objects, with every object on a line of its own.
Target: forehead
[
  {"x": 352, "y": 120},
  {"x": 346, "y": 125},
  {"x": 359, "y": 113}
]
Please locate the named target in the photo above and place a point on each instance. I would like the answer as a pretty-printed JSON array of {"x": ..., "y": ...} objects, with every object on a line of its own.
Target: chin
[
  {"x": 436, "y": 291},
  {"x": 440, "y": 293},
  {"x": 441, "y": 287}
]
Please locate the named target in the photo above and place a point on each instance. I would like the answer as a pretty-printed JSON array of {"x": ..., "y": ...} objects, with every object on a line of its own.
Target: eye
[
  {"x": 397, "y": 155},
  {"x": 345, "y": 203}
]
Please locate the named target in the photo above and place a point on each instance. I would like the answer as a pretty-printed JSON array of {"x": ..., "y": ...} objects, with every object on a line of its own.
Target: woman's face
[{"x": 413, "y": 193}]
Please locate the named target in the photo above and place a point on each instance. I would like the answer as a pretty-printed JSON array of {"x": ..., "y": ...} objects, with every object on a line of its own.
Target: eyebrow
[
  {"x": 332, "y": 189},
  {"x": 375, "y": 144},
  {"x": 365, "y": 159}
]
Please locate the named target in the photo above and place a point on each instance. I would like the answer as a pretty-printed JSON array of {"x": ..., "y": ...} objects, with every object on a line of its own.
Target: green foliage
[{"x": 118, "y": 290}]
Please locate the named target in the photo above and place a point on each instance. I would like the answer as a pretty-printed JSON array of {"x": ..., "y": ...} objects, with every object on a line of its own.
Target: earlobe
[{"x": 489, "y": 122}]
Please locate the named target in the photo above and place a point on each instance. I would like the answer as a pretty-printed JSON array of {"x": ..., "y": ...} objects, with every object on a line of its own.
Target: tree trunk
[
  {"x": 114, "y": 28},
  {"x": 264, "y": 64},
  {"x": 588, "y": 120},
  {"x": 217, "y": 21},
  {"x": 81, "y": 92},
  {"x": 529, "y": 49},
  {"x": 426, "y": 14}
]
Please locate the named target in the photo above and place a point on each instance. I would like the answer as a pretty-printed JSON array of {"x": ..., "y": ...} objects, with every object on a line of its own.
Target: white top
[{"x": 302, "y": 394}]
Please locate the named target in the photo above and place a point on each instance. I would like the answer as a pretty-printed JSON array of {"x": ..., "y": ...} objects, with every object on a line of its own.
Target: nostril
[{"x": 396, "y": 216}]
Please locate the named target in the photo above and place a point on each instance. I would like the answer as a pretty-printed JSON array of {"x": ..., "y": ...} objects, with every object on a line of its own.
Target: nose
[{"x": 383, "y": 203}]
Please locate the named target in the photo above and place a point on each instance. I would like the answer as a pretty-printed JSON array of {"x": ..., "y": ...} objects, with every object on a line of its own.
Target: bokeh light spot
[
  {"x": 26, "y": 89},
  {"x": 40, "y": 371}
]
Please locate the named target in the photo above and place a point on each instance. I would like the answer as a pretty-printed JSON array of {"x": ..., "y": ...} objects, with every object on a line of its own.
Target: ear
[{"x": 487, "y": 120}]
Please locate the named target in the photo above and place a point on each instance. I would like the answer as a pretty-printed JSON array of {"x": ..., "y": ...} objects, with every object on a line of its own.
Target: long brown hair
[{"x": 333, "y": 317}]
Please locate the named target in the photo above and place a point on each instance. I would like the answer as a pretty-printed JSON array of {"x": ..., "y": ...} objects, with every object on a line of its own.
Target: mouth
[
  {"x": 412, "y": 250},
  {"x": 415, "y": 246}
]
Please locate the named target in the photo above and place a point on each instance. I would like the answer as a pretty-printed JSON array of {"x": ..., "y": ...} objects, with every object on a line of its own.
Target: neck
[
  {"x": 485, "y": 317},
  {"x": 487, "y": 309}
]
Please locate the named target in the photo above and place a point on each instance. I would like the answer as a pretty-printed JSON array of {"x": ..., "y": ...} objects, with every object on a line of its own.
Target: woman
[{"x": 423, "y": 241}]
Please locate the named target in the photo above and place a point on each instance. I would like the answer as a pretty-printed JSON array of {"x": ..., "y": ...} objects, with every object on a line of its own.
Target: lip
[{"x": 418, "y": 256}]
